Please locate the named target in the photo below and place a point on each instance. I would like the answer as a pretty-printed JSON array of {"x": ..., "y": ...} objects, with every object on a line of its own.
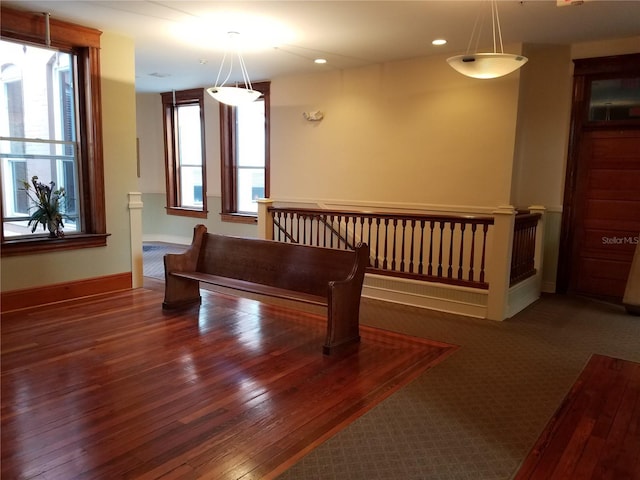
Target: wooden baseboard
[{"x": 32, "y": 297}]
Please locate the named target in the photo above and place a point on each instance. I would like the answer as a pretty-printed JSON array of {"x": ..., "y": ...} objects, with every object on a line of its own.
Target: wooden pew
[{"x": 320, "y": 276}]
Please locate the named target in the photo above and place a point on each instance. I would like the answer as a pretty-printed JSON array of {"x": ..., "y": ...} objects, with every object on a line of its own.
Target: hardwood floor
[
  {"x": 115, "y": 387},
  {"x": 595, "y": 434}
]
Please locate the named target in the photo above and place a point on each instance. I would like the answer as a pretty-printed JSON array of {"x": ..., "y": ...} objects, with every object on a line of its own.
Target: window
[
  {"x": 185, "y": 153},
  {"x": 38, "y": 132},
  {"x": 614, "y": 99},
  {"x": 244, "y": 132},
  {"x": 50, "y": 128}
]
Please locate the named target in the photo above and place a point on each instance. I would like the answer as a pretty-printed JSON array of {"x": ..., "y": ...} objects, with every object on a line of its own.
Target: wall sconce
[{"x": 314, "y": 116}]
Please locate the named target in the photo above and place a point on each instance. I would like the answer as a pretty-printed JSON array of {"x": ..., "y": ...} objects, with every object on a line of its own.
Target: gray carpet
[
  {"x": 152, "y": 253},
  {"x": 476, "y": 415}
]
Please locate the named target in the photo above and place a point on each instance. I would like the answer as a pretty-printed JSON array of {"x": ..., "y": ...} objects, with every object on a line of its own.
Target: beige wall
[
  {"x": 119, "y": 129},
  {"x": 412, "y": 132},
  {"x": 543, "y": 127},
  {"x": 151, "y": 143},
  {"x": 617, "y": 46}
]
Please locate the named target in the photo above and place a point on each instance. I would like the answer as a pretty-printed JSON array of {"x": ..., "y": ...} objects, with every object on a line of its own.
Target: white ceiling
[{"x": 346, "y": 33}]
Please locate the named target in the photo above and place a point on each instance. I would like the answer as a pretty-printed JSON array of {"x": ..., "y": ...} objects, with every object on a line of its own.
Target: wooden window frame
[
  {"x": 228, "y": 162},
  {"x": 84, "y": 43},
  {"x": 169, "y": 101}
]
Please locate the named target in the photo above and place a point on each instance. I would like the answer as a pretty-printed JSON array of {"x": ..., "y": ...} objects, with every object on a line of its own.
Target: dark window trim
[
  {"x": 85, "y": 44},
  {"x": 183, "y": 97},
  {"x": 228, "y": 159}
]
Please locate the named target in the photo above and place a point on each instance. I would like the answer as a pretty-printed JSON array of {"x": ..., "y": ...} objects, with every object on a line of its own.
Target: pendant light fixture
[
  {"x": 487, "y": 65},
  {"x": 233, "y": 95}
]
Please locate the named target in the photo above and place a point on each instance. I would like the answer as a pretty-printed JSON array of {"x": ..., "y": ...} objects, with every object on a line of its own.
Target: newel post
[
  {"x": 265, "y": 220},
  {"x": 135, "y": 223},
  {"x": 500, "y": 267}
]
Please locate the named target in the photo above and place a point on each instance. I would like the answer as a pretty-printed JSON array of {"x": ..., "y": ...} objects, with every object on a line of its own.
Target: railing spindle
[
  {"x": 393, "y": 248},
  {"x": 370, "y": 219},
  {"x": 450, "y": 268},
  {"x": 304, "y": 229},
  {"x": 430, "y": 269},
  {"x": 377, "y": 240},
  {"x": 420, "y": 260},
  {"x": 413, "y": 233},
  {"x": 440, "y": 250},
  {"x": 523, "y": 252},
  {"x": 386, "y": 243},
  {"x": 473, "y": 249},
  {"x": 460, "y": 260},
  {"x": 484, "y": 251},
  {"x": 402, "y": 244}
]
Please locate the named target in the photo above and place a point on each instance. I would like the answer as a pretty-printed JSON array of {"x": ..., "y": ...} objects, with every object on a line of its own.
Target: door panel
[{"x": 607, "y": 212}]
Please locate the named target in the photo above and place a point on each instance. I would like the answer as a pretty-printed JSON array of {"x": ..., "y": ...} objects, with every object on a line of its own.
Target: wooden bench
[{"x": 320, "y": 276}]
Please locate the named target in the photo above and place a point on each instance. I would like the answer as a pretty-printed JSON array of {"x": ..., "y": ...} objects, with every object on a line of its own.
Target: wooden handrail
[{"x": 441, "y": 248}]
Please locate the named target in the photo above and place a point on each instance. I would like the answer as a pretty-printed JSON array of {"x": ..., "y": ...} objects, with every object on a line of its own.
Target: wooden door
[
  {"x": 607, "y": 212},
  {"x": 601, "y": 209}
]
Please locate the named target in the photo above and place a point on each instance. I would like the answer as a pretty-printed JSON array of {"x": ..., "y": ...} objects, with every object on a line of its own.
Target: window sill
[
  {"x": 30, "y": 246},
  {"x": 239, "y": 218},
  {"x": 186, "y": 212}
]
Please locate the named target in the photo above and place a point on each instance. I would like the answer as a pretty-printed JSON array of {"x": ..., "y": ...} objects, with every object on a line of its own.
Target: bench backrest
[{"x": 290, "y": 266}]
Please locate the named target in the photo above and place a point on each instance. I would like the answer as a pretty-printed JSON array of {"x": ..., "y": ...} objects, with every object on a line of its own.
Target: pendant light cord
[
  {"x": 495, "y": 17},
  {"x": 243, "y": 67},
  {"x": 476, "y": 33}
]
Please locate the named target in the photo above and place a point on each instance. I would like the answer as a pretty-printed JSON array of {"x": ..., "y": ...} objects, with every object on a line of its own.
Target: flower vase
[{"x": 54, "y": 228}]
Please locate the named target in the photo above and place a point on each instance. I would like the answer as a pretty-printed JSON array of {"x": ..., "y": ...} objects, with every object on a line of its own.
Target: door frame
[{"x": 585, "y": 71}]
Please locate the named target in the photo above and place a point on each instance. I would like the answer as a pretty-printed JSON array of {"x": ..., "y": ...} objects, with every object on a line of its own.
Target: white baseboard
[
  {"x": 470, "y": 302},
  {"x": 466, "y": 301},
  {"x": 523, "y": 294}
]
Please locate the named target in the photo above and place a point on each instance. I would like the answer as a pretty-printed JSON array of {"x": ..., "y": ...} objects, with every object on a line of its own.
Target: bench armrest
[
  {"x": 344, "y": 303},
  {"x": 183, "y": 291},
  {"x": 188, "y": 260}
]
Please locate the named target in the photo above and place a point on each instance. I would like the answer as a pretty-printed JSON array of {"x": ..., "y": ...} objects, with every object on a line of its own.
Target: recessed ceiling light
[
  {"x": 439, "y": 41},
  {"x": 320, "y": 60}
]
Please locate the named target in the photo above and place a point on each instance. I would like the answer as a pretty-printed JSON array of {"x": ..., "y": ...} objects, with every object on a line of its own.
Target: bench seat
[{"x": 252, "y": 287}]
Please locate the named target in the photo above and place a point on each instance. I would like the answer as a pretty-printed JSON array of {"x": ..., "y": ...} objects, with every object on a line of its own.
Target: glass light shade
[
  {"x": 487, "y": 65},
  {"x": 233, "y": 96}
]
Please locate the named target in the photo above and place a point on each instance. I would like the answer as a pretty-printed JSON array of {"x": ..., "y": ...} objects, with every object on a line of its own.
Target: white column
[
  {"x": 500, "y": 266},
  {"x": 135, "y": 220},
  {"x": 265, "y": 220}
]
